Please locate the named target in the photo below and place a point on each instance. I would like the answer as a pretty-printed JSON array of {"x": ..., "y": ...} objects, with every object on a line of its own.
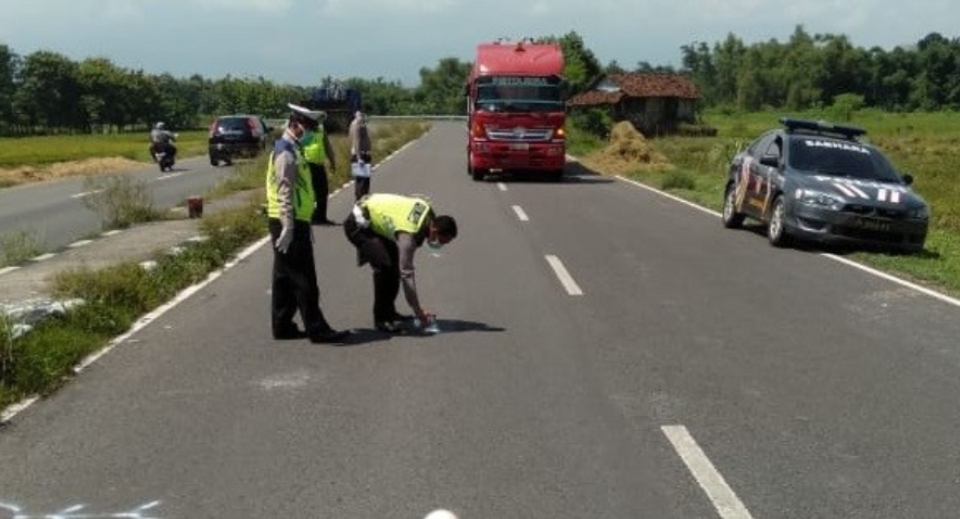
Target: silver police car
[{"x": 817, "y": 181}]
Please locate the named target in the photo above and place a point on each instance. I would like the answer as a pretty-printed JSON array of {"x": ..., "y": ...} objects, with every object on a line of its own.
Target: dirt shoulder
[{"x": 93, "y": 166}]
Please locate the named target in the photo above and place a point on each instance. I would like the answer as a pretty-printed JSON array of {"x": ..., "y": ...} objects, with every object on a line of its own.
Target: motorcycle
[{"x": 164, "y": 154}]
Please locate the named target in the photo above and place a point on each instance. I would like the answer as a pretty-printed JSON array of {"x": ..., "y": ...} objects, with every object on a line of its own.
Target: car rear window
[
  {"x": 840, "y": 158},
  {"x": 233, "y": 123}
]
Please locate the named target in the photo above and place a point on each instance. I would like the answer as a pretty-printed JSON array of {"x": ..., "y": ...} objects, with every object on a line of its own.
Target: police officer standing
[
  {"x": 290, "y": 206},
  {"x": 318, "y": 150},
  {"x": 387, "y": 230}
]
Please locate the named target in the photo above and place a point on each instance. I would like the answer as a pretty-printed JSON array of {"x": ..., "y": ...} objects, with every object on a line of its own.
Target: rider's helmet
[{"x": 159, "y": 125}]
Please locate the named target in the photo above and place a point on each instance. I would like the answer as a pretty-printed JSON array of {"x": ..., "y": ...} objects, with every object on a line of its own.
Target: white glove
[{"x": 283, "y": 241}]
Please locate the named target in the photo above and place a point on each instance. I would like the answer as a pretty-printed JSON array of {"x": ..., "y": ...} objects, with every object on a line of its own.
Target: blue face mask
[
  {"x": 306, "y": 136},
  {"x": 434, "y": 245}
]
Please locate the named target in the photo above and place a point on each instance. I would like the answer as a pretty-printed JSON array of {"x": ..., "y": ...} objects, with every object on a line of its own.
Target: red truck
[{"x": 516, "y": 110}]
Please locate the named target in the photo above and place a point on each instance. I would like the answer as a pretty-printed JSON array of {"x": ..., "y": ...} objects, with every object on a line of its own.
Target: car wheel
[
  {"x": 214, "y": 161},
  {"x": 731, "y": 218},
  {"x": 776, "y": 230}
]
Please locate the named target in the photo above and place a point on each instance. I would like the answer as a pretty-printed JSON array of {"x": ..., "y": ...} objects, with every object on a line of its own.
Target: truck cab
[{"x": 516, "y": 110}]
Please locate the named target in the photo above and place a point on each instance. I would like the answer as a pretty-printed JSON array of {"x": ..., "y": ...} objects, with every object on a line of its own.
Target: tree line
[
  {"x": 811, "y": 71},
  {"x": 46, "y": 92}
]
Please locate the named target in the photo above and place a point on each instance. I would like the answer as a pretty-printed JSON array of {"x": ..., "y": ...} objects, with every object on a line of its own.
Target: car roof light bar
[{"x": 821, "y": 126}]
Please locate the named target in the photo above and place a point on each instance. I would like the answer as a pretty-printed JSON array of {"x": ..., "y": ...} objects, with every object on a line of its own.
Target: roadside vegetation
[
  {"x": 31, "y": 159},
  {"x": 925, "y": 145},
  {"x": 41, "y": 360}
]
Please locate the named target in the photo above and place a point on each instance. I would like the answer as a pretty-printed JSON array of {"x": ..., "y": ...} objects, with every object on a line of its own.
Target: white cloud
[{"x": 263, "y": 6}]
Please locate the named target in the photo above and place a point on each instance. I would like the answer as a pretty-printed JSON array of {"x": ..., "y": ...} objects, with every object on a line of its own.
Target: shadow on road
[
  {"x": 371, "y": 335},
  {"x": 573, "y": 173},
  {"x": 839, "y": 249}
]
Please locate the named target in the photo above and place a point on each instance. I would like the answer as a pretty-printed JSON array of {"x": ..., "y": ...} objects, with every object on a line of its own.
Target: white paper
[{"x": 360, "y": 169}]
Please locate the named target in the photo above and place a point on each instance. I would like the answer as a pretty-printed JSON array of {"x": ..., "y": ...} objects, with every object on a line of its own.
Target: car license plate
[
  {"x": 873, "y": 225},
  {"x": 520, "y": 146}
]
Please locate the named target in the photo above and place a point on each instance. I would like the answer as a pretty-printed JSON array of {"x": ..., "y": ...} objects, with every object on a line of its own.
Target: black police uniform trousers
[
  {"x": 295, "y": 283},
  {"x": 384, "y": 258},
  {"x": 321, "y": 186}
]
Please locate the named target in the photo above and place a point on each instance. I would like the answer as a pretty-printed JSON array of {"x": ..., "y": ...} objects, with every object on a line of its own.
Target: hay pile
[{"x": 627, "y": 151}]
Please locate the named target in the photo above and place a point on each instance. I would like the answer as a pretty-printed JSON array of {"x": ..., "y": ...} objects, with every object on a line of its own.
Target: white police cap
[{"x": 313, "y": 115}]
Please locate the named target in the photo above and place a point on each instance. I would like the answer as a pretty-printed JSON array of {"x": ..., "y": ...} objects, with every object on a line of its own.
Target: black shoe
[
  {"x": 329, "y": 336},
  {"x": 288, "y": 333},
  {"x": 389, "y": 326},
  {"x": 404, "y": 318}
]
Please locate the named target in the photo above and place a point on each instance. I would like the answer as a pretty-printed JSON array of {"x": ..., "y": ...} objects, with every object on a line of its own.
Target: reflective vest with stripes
[{"x": 302, "y": 191}]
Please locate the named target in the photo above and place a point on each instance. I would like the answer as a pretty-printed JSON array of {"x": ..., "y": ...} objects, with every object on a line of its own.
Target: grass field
[
  {"x": 44, "y": 151},
  {"x": 926, "y": 145}
]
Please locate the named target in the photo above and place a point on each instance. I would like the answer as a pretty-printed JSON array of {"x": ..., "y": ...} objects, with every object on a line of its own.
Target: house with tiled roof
[{"x": 655, "y": 102}]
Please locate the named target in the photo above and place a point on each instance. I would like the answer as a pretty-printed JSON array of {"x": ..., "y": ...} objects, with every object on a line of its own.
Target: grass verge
[{"x": 114, "y": 298}]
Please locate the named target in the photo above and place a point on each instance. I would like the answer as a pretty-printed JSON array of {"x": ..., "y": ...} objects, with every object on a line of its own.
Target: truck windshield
[{"x": 519, "y": 94}]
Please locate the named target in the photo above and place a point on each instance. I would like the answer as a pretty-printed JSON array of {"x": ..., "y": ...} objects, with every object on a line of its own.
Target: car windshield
[
  {"x": 519, "y": 94},
  {"x": 841, "y": 159}
]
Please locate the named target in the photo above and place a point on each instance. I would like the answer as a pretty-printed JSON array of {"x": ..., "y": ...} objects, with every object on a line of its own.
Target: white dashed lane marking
[
  {"x": 565, "y": 278},
  {"x": 724, "y": 499},
  {"x": 520, "y": 214}
]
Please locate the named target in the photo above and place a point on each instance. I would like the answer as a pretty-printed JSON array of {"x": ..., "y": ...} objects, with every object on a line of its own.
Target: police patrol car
[{"x": 812, "y": 180}]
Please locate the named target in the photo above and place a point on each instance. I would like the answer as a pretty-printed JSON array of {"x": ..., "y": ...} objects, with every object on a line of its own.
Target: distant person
[
  {"x": 318, "y": 150},
  {"x": 360, "y": 155},
  {"x": 290, "y": 207},
  {"x": 162, "y": 140},
  {"x": 387, "y": 230}
]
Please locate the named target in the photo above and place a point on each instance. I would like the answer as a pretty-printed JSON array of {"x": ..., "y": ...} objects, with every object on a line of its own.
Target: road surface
[{"x": 606, "y": 352}]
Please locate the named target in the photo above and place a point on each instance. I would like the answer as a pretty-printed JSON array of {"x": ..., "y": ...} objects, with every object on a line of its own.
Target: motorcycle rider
[{"x": 162, "y": 140}]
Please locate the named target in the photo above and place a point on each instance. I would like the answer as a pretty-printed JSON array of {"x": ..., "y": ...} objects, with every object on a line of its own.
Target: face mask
[
  {"x": 306, "y": 135},
  {"x": 434, "y": 245}
]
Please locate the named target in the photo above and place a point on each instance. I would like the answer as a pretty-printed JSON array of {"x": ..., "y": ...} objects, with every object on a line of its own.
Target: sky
[{"x": 300, "y": 42}]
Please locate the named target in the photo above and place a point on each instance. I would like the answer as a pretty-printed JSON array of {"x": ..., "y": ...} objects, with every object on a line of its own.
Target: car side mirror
[
  {"x": 772, "y": 161},
  {"x": 907, "y": 179}
]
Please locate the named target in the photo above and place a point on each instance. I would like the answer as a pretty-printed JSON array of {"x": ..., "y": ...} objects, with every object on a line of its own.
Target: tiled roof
[
  {"x": 641, "y": 84},
  {"x": 595, "y": 97}
]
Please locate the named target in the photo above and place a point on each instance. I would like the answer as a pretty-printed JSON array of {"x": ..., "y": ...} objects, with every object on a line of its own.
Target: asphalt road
[
  {"x": 53, "y": 213},
  {"x": 606, "y": 352}
]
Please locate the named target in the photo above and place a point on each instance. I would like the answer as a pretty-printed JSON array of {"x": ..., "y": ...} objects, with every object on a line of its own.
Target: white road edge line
[
  {"x": 12, "y": 410},
  {"x": 850, "y": 263},
  {"x": 724, "y": 499},
  {"x": 520, "y": 214},
  {"x": 568, "y": 283},
  {"x": 182, "y": 296}
]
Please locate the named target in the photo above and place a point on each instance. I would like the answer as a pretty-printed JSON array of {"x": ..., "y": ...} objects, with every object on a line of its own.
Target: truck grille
[{"x": 520, "y": 134}]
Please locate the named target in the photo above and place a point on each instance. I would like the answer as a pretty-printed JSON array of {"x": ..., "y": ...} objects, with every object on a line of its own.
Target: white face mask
[{"x": 434, "y": 245}]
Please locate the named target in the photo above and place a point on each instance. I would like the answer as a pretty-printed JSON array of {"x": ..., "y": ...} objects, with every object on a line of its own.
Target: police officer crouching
[
  {"x": 290, "y": 207},
  {"x": 387, "y": 230}
]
